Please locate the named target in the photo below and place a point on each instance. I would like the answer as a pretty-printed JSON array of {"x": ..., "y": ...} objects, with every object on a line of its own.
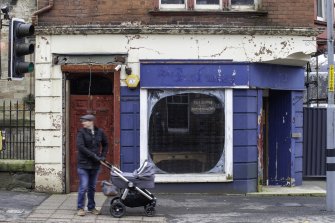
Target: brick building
[{"x": 219, "y": 103}]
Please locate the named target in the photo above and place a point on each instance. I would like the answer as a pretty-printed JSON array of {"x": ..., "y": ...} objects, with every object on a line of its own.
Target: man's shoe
[
  {"x": 94, "y": 211},
  {"x": 81, "y": 212}
]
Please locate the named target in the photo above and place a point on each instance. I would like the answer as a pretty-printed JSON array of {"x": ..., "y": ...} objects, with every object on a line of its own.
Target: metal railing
[{"x": 17, "y": 121}]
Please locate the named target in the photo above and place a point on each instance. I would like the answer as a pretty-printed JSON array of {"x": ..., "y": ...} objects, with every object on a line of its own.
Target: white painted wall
[
  {"x": 292, "y": 50},
  {"x": 48, "y": 120},
  {"x": 49, "y": 161}
]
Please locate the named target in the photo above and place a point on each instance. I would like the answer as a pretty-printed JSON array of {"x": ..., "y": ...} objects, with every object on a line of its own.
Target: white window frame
[
  {"x": 208, "y": 7},
  {"x": 255, "y": 6},
  {"x": 219, "y": 6},
  {"x": 323, "y": 18},
  {"x": 172, "y": 6},
  {"x": 193, "y": 177}
]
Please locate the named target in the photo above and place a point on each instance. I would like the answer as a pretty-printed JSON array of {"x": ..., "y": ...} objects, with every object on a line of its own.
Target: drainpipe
[{"x": 40, "y": 11}]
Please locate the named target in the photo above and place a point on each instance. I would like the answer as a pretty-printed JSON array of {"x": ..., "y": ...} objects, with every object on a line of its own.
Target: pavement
[
  {"x": 308, "y": 188},
  {"x": 304, "y": 203}
]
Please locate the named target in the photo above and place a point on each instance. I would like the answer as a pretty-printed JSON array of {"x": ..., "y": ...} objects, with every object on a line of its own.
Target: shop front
[
  {"x": 207, "y": 121},
  {"x": 201, "y": 124}
]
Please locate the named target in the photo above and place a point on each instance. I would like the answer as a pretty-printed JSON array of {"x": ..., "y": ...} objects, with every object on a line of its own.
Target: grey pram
[{"x": 133, "y": 189}]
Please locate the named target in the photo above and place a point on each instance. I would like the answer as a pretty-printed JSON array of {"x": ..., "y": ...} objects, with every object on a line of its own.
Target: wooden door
[
  {"x": 280, "y": 147},
  {"x": 102, "y": 108}
]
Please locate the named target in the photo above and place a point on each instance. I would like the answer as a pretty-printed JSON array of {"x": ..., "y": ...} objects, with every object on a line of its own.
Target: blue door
[
  {"x": 280, "y": 104},
  {"x": 130, "y": 129}
]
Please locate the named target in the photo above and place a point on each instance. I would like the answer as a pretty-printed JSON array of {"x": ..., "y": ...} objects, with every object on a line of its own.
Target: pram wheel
[
  {"x": 150, "y": 210},
  {"x": 117, "y": 209}
]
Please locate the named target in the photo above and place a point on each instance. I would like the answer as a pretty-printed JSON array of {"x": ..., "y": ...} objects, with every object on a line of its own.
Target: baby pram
[{"x": 132, "y": 189}]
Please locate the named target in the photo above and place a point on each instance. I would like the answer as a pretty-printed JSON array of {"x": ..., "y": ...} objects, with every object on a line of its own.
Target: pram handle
[
  {"x": 110, "y": 166},
  {"x": 106, "y": 164}
]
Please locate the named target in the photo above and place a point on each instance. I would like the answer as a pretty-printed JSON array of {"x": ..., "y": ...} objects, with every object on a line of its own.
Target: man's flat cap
[{"x": 87, "y": 118}]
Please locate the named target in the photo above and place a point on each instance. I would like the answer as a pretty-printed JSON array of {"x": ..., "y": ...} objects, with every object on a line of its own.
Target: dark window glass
[
  {"x": 173, "y": 1},
  {"x": 186, "y": 133},
  {"x": 177, "y": 112},
  {"x": 208, "y": 2},
  {"x": 242, "y": 2},
  {"x": 99, "y": 86}
]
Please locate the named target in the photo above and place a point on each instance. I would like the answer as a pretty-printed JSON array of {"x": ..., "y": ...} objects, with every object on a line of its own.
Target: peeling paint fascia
[{"x": 174, "y": 30}]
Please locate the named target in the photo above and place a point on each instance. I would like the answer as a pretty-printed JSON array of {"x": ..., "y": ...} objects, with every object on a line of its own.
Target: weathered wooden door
[
  {"x": 102, "y": 107},
  {"x": 280, "y": 147}
]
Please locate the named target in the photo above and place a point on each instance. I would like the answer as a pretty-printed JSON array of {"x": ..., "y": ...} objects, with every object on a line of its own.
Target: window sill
[
  {"x": 320, "y": 22},
  {"x": 191, "y": 178},
  {"x": 207, "y": 12}
]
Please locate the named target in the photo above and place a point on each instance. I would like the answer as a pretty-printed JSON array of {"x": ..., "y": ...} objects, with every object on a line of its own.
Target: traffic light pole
[{"x": 330, "y": 197}]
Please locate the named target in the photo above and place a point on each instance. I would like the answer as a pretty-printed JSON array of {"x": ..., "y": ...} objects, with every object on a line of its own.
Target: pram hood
[
  {"x": 143, "y": 177},
  {"x": 146, "y": 170}
]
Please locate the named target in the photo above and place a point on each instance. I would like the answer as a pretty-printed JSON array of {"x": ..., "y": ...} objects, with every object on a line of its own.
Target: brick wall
[
  {"x": 15, "y": 89},
  {"x": 298, "y": 13}
]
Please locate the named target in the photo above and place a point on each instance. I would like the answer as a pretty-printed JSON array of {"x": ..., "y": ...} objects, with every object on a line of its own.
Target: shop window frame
[{"x": 226, "y": 176}]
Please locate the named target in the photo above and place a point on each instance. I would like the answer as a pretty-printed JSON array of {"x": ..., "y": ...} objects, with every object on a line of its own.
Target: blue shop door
[
  {"x": 279, "y": 137},
  {"x": 130, "y": 130}
]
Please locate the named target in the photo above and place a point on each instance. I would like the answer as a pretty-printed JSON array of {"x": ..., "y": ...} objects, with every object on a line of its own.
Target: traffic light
[{"x": 18, "y": 48}]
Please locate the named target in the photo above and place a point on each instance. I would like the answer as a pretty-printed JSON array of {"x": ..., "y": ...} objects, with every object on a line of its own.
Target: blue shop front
[{"x": 215, "y": 126}]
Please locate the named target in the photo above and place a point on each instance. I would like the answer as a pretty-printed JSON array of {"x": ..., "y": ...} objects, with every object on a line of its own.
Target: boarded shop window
[{"x": 187, "y": 131}]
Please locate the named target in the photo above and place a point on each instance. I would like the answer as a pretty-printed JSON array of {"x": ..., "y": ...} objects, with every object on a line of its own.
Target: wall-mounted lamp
[
  {"x": 5, "y": 11},
  {"x": 128, "y": 70}
]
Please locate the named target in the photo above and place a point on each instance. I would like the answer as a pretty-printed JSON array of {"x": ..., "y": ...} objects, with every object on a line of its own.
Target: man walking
[{"x": 92, "y": 148}]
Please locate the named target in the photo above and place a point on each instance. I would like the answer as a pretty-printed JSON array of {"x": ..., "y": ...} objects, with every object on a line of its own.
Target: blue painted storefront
[{"x": 247, "y": 79}]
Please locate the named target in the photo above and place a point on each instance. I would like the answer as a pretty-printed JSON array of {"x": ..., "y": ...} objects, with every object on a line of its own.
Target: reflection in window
[
  {"x": 321, "y": 9},
  {"x": 186, "y": 133},
  {"x": 208, "y": 2},
  {"x": 177, "y": 104},
  {"x": 242, "y": 2}
]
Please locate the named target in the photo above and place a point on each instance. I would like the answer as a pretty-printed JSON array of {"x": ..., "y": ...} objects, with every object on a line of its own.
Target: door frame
[{"x": 77, "y": 70}]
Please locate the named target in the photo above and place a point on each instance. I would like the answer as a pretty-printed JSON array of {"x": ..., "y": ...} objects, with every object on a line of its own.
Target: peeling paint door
[
  {"x": 102, "y": 107},
  {"x": 280, "y": 138}
]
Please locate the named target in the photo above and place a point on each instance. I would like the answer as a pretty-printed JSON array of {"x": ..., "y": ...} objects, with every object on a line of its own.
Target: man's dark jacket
[{"x": 88, "y": 146}]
